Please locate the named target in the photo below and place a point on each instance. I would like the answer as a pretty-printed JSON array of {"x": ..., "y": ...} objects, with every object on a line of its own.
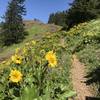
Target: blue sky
[{"x": 39, "y": 9}]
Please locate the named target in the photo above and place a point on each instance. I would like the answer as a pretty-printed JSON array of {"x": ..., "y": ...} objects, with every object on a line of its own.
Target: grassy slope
[
  {"x": 90, "y": 56},
  {"x": 36, "y": 31},
  {"x": 46, "y": 40},
  {"x": 89, "y": 48},
  {"x": 84, "y": 40}
]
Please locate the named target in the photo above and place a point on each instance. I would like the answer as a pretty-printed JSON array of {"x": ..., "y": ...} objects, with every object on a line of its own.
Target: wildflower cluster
[
  {"x": 36, "y": 71},
  {"x": 16, "y": 59}
]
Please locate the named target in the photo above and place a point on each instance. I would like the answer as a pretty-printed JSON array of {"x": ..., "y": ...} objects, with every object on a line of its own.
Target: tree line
[
  {"x": 12, "y": 28},
  {"x": 80, "y": 11}
]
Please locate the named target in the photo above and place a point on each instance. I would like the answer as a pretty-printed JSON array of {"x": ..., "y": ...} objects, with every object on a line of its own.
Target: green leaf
[
  {"x": 68, "y": 95},
  {"x": 29, "y": 93}
]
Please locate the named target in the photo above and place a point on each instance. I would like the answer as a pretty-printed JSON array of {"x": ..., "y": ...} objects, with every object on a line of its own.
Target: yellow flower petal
[
  {"x": 16, "y": 59},
  {"x": 51, "y": 58},
  {"x": 17, "y": 50},
  {"x": 15, "y": 76},
  {"x": 33, "y": 42}
]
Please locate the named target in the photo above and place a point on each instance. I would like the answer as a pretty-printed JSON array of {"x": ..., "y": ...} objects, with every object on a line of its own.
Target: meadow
[
  {"x": 38, "y": 70},
  {"x": 39, "y": 67}
]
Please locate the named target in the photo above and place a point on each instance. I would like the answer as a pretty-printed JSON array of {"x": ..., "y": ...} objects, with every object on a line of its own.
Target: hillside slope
[
  {"x": 43, "y": 63},
  {"x": 84, "y": 41},
  {"x": 36, "y": 30}
]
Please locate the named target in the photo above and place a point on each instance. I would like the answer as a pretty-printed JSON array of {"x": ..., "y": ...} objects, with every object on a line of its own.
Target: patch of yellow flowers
[
  {"x": 15, "y": 76},
  {"x": 51, "y": 58},
  {"x": 33, "y": 42},
  {"x": 16, "y": 59}
]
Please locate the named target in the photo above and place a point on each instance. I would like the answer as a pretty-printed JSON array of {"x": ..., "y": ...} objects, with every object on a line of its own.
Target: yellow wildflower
[
  {"x": 33, "y": 42},
  {"x": 51, "y": 58},
  {"x": 17, "y": 59},
  {"x": 24, "y": 50},
  {"x": 15, "y": 76},
  {"x": 17, "y": 50}
]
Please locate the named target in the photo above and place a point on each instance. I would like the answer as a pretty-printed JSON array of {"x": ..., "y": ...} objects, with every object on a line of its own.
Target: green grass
[
  {"x": 84, "y": 41},
  {"x": 34, "y": 33},
  {"x": 59, "y": 77}
]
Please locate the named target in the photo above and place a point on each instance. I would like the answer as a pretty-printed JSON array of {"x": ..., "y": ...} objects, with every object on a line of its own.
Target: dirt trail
[{"x": 78, "y": 79}]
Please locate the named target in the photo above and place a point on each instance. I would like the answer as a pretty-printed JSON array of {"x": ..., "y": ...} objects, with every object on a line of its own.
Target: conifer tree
[
  {"x": 83, "y": 10},
  {"x": 13, "y": 28},
  {"x": 80, "y": 11},
  {"x": 58, "y": 18}
]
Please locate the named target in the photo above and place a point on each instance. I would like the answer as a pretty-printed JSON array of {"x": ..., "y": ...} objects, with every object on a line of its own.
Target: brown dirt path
[{"x": 78, "y": 80}]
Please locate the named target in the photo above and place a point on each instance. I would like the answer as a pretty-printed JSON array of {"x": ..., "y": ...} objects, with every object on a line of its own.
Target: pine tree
[
  {"x": 51, "y": 18},
  {"x": 58, "y": 18},
  {"x": 83, "y": 10},
  {"x": 13, "y": 28}
]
